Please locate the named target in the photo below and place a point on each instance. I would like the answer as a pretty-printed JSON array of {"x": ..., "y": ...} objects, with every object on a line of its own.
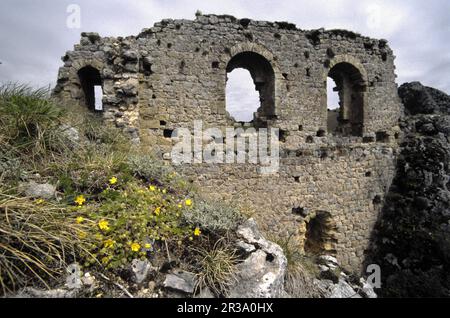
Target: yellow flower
[
  {"x": 80, "y": 219},
  {"x": 135, "y": 247},
  {"x": 103, "y": 225},
  {"x": 113, "y": 180},
  {"x": 39, "y": 201},
  {"x": 164, "y": 191},
  {"x": 109, "y": 243},
  {"x": 79, "y": 200},
  {"x": 197, "y": 231},
  {"x": 180, "y": 206},
  {"x": 158, "y": 211},
  {"x": 188, "y": 202},
  {"x": 82, "y": 235},
  {"x": 148, "y": 246},
  {"x": 152, "y": 188}
]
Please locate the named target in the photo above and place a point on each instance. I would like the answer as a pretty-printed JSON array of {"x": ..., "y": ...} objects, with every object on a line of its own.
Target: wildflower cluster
[{"x": 128, "y": 221}]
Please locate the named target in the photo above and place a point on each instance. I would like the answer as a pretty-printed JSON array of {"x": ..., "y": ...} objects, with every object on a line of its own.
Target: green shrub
[
  {"x": 126, "y": 221},
  {"x": 27, "y": 115},
  {"x": 87, "y": 168},
  {"x": 147, "y": 167},
  {"x": 215, "y": 217}
]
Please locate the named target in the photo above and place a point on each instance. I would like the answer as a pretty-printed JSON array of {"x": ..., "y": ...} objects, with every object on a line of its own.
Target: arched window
[
  {"x": 348, "y": 118},
  {"x": 263, "y": 78},
  {"x": 91, "y": 84}
]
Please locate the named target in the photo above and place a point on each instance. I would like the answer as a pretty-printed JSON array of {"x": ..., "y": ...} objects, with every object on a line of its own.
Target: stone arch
[
  {"x": 319, "y": 234},
  {"x": 85, "y": 75},
  {"x": 90, "y": 78},
  {"x": 351, "y": 84},
  {"x": 261, "y": 64}
]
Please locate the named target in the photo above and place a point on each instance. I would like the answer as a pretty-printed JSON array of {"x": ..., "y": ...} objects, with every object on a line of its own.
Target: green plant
[
  {"x": 215, "y": 217},
  {"x": 151, "y": 169},
  {"x": 27, "y": 116},
  {"x": 87, "y": 168},
  {"x": 128, "y": 221},
  {"x": 217, "y": 267}
]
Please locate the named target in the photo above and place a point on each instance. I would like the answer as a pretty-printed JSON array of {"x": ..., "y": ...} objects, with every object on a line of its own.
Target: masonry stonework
[{"x": 332, "y": 179}]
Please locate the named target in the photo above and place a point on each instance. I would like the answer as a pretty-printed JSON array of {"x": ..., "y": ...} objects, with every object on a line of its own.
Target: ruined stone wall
[{"x": 175, "y": 73}]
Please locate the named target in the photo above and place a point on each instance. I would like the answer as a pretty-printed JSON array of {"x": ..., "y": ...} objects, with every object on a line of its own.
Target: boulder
[{"x": 261, "y": 275}]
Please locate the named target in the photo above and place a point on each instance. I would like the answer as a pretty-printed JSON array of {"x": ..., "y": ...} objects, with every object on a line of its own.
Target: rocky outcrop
[
  {"x": 336, "y": 283},
  {"x": 412, "y": 240},
  {"x": 261, "y": 274}
]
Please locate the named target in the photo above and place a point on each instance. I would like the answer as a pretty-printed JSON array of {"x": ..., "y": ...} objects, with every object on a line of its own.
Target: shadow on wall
[
  {"x": 320, "y": 234},
  {"x": 411, "y": 241}
]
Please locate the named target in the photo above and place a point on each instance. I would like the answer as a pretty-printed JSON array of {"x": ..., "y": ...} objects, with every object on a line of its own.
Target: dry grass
[
  {"x": 301, "y": 271},
  {"x": 37, "y": 239}
]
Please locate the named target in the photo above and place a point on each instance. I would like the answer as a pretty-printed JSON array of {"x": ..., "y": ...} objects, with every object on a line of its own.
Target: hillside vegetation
[{"x": 74, "y": 190}]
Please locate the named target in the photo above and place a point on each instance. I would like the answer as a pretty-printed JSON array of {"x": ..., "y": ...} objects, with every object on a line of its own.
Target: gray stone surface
[
  {"x": 180, "y": 281},
  {"x": 71, "y": 133},
  {"x": 141, "y": 270},
  {"x": 36, "y": 190},
  {"x": 343, "y": 290},
  {"x": 30, "y": 292},
  {"x": 261, "y": 275}
]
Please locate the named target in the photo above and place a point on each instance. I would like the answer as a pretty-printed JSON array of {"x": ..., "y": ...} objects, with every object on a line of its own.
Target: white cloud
[{"x": 241, "y": 97}]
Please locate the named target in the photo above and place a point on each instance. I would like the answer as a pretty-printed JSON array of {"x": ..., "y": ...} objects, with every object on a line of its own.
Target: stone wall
[{"x": 175, "y": 72}]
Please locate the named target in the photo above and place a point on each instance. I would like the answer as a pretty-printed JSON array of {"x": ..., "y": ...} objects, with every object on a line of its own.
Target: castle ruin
[{"x": 334, "y": 172}]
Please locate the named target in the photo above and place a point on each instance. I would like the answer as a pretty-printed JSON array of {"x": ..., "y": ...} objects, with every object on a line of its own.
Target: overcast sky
[{"x": 34, "y": 35}]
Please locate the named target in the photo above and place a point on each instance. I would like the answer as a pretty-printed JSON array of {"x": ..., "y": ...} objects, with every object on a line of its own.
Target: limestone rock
[
  {"x": 30, "y": 292},
  {"x": 261, "y": 275},
  {"x": 343, "y": 290},
  {"x": 180, "y": 281},
  {"x": 71, "y": 134},
  {"x": 36, "y": 190},
  {"x": 141, "y": 270},
  {"x": 73, "y": 279},
  {"x": 130, "y": 55}
]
